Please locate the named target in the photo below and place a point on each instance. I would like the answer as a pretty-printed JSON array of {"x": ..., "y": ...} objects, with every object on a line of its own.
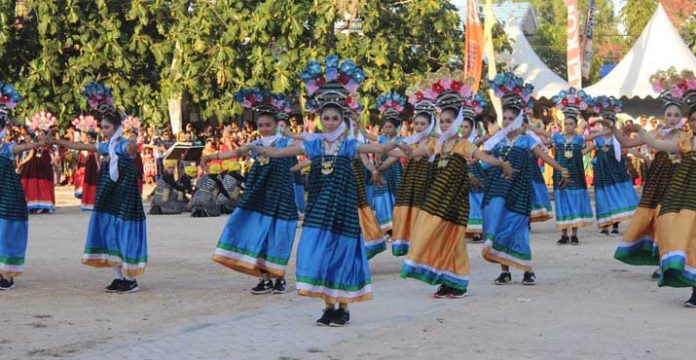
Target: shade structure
[
  {"x": 527, "y": 64},
  {"x": 658, "y": 48}
]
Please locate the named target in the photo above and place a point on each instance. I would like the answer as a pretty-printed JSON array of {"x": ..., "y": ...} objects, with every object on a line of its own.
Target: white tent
[
  {"x": 657, "y": 48},
  {"x": 526, "y": 64}
]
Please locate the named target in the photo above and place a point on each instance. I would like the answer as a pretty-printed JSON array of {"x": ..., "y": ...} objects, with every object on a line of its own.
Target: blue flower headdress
[
  {"x": 337, "y": 83},
  {"x": 473, "y": 105},
  {"x": 264, "y": 102},
  {"x": 9, "y": 98},
  {"x": 608, "y": 107},
  {"x": 391, "y": 105},
  {"x": 100, "y": 98},
  {"x": 513, "y": 91},
  {"x": 572, "y": 102}
]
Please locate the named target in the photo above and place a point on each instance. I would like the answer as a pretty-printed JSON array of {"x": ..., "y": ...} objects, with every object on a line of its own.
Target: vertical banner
[
  {"x": 489, "y": 51},
  {"x": 573, "y": 54},
  {"x": 473, "y": 46},
  {"x": 587, "y": 48}
]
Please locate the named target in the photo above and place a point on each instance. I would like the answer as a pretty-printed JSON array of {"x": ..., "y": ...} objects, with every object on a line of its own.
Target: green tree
[
  {"x": 688, "y": 32},
  {"x": 550, "y": 39},
  {"x": 636, "y": 14}
]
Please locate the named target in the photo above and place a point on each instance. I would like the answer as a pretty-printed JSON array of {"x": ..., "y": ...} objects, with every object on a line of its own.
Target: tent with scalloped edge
[
  {"x": 527, "y": 64},
  {"x": 658, "y": 47}
]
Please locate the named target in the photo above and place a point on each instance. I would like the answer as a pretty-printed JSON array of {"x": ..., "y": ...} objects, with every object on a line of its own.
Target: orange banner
[
  {"x": 473, "y": 46},
  {"x": 574, "y": 53}
]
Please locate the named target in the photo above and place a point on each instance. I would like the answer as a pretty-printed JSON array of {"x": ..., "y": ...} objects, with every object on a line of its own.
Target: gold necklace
[
  {"x": 327, "y": 166},
  {"x": 568, "y": 147},
  {"x": 445, "y": 155}
]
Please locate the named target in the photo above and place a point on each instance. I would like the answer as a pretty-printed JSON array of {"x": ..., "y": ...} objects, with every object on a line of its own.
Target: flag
[
  {"x": 587, "y": 48},
  {"x": 489, "y": 51},
  {"x": 573, "y": 51},
  {"x": 473, "y": 52}
]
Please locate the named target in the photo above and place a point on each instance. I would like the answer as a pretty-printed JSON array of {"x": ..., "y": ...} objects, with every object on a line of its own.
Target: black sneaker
[
  {"x": 504, "y": 278},
  {"x": 128, "y": 286},
  {"x": 563, "y": 241},
  {"x": 114, "y": 286},
  {"x": 691, "y": 303},
  {"x": 605, "y": 231},
  {"x": 656, "y": 274},
  {"x": 6, "y": 284},
  {"x": 457, "y": 293},
  {"x": 574, "y": 240},
  {"x": 529, "y": 278},
  {"x": 442, "y": 292},
  {"x": 615, "y": 231},
  {"x": 476, "y": 239},
  {"x": 340, "y": 318},
  {"x": 325, "y": 318},
  {"x": 279, "y": 286},
  {"x": 264, "y": 287}
]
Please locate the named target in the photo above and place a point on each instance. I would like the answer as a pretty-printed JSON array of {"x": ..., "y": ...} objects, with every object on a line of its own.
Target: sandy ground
[{"x": 585, "y": 306}]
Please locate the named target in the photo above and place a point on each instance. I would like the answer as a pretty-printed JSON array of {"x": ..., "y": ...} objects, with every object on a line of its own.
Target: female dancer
[
  {"x": 331, "y": 257},
  {"x": 298, "y": 178},
  {"x": 411, "y": 193},
  {"x": 676, "y": 222},
  {"x": 14, "y": 221},
  {"x": 615, "y": 199},
  {"x": 38, "y": 178},
  {"x": 508, "y": 200},
  {"x": 541, "y": 204},
  {"x": 390, "y": 106},
  {"x": 117, "y": 232},
  {"x": 573, "y": 206},
  {"x": 258, "y": 237},
  {"x": 438, "y": 254},
  {"x": 87, "y": 174},
  {"x": 639, "y": 245}
]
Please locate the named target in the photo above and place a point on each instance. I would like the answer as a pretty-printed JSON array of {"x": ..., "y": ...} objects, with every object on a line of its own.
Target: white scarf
[
  {"x": 419, "y": 136},
  {"x": 617, "y": 147},
  {"x": 330, "y": 137},
  {"x": 452, "y": 129},
  {"x": 267, "y": 141},
  {"x": 503, "y": 133},
  {"x": 474, "y": 134},
  {"x": 113, "y": 158},
  {"x": 679, "y": 126}
]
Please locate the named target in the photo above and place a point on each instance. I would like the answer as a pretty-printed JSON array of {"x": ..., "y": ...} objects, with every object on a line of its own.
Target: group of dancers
[{"x": 427, "y": 191}]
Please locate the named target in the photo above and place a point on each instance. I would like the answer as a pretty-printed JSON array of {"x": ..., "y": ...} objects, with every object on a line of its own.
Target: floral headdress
[
  {"x": 264, "y": 102},
  {"x": 391, "y": 105},
  {"x": 674, "y": 87},
  {"x": 473, "y": 105},
  {"x": 131, "y": 123},
  {"x": 42, "y": 121},
  {"x": 85, "y": 123},
  {"x": 9, "y": 97},
  {"x": 608, "y": 107},
  {"x": 572, "y": 102},
  {"x": 513, "y": 91},
  {"x": 335, "y": 84}
]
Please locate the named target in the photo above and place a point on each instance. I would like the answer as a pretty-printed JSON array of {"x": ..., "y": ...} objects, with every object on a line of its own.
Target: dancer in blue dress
[
  {"x": 14, "y": 221},
  {"x": 298, "y": 180},
  {"x": 331, "y": 257},
  {"x": 615, "y": 198},
  {"x": 573, "y": 207},
  {"x": 507, "y": 202},
  {"x": 259, "y": 234},
  {"x": 390, "y": 106},
  {"x": 117, "y": 233}
]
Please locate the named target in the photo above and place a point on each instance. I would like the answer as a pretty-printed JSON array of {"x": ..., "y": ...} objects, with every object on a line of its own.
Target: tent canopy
[
  {"x": 527, "y": 64},
  {"x": 658, "y": 48}
]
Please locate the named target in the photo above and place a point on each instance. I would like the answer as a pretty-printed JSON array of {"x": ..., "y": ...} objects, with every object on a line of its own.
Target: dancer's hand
[
  {"x": 297, "y": 167},
  {"x": 508, "y": 170},
  {"x": 565, "y": 178},
  {"x": 475, "y": 183}
]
